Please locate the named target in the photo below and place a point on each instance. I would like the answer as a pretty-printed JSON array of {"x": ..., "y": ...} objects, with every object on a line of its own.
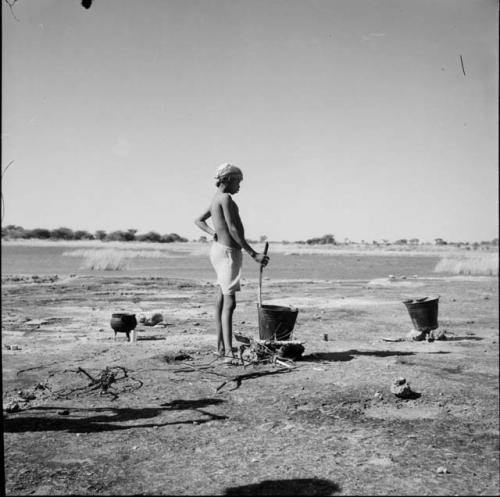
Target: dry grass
[
  {"x": 113, "y": 259},
  {"x": 119, "y": 253},
  {"x": 473, "y": 265},
  {"x": 104, "y": 260}
]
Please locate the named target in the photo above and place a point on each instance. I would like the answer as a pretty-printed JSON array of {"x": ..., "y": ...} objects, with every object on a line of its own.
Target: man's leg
[
  {"x": 228, "y": 306},
  {"x": 219, "y": 302}
]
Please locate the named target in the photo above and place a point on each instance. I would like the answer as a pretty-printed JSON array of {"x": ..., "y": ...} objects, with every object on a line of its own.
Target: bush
[
  {"x": 150, "y": 236},
  {"x": 116, "y": 236},
  {"x": 41, "y": 233},
  {"x": 324, "y": 240},
  {"x": 13, "y": 231},
  {"x": 62, "y": 234},
  {"x": 83, "y": 235}
]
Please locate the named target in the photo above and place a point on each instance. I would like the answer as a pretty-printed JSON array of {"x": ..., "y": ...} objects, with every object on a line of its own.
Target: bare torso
[{"x": 219, "y": 220}]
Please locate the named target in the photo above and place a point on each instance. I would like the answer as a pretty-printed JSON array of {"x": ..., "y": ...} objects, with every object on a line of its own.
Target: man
[{"x": 226, "y": 253}]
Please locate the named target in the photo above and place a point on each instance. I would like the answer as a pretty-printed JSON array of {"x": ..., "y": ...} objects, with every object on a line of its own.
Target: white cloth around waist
[{"x": 227, "y": 262}]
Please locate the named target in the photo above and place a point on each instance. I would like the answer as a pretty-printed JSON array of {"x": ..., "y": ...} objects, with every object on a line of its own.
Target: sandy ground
[{"x": 329, "y": 426}]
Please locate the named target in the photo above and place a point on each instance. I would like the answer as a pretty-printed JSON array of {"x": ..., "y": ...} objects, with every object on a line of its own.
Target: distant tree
[
  {"x": 150, "y": 236},
  {"x": 494, "y": 241},
  {"x": 130, "y": 235},
  {"x": 168, "y": 238},
  {"x": 41, "y": 233},
  {"x": 414, "y": 241},
  {"x": 83, "y": 235},
  {"x": 402, "y": 241},
  {"x": 262, "y": 238},
  {"x": 14, "y": 232},
  {"x": 374, "y": 242},
  {"x": 62, "y": 234},
  {"x": 385, "y": 241},
  {"x": 203, "y": 239},
  {"x": 100, "y": 235},
  {"x": 440, "y": 241},
  {"x": 172, "y": 237},
  {"x": 325, "y": 239},
  {"x": 116, "y": 236}
]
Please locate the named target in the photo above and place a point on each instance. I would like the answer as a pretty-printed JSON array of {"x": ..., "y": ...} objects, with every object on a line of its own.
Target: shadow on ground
[
  {"x": 303, "y": 486},
  {"x": 348, "y": 355},
  {"x": 78, "y": 420},
  {"x": 457, "y": 339}
]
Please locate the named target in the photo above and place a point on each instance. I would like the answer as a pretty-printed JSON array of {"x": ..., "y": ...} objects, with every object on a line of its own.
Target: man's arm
[
  {"x": 236, "y": 230},
  {"x": 201, "y": 222}
]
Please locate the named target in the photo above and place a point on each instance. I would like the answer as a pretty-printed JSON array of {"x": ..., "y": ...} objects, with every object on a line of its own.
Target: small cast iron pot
[{"x": 123, "y": 323}]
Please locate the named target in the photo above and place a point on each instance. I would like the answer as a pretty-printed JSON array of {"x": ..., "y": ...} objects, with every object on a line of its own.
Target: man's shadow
[
  {"x": 300, "y": 486},
  {"x": 50, "y": 418}
]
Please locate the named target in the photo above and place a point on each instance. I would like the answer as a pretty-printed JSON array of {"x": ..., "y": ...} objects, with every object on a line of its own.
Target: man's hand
[{"x": 261, "y": 259}]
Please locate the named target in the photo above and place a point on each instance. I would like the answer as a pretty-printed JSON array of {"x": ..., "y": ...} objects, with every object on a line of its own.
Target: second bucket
[{"x": 423, "y": 313}]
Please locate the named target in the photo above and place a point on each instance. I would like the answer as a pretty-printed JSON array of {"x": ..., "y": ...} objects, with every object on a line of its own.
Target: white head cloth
[{"x": 227, "y": 170}]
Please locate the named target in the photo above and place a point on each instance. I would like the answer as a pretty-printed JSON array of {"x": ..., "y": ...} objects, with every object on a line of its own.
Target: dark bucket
[
  {"x": 423, "y": 313},
  {"x": 276, "y": 322}
]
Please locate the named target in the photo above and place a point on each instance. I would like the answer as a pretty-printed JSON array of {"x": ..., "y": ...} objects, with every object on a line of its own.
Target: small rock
[
  {"x": 442, "y": 470},
  {"x": 64, "y": 412},
  {"x": 400, "y": 388},
  {"x": 155, "y": 319},
  {"x": 8, "y": 347}
]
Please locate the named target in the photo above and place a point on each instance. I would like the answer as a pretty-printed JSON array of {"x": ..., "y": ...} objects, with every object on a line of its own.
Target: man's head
[{"x": 229, "y": 175}]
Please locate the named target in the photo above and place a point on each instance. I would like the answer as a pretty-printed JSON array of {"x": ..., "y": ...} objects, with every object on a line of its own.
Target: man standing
[{"x": 226, "y": 252}]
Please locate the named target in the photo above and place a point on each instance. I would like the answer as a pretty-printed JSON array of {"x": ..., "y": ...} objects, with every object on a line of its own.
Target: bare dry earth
[{"x": 329, "y": 426}]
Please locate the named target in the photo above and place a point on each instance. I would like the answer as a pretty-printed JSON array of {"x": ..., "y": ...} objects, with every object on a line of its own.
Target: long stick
[{"x": 260, "y": 275}]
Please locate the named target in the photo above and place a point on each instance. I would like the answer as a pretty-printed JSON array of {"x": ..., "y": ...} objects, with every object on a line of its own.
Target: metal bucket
[
  {"x": 423, "y": 313},
  {"x": 276, "y": 322}
]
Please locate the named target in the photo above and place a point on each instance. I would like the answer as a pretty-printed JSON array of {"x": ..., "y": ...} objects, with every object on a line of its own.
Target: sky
[{"x": 348, "y": 117}]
